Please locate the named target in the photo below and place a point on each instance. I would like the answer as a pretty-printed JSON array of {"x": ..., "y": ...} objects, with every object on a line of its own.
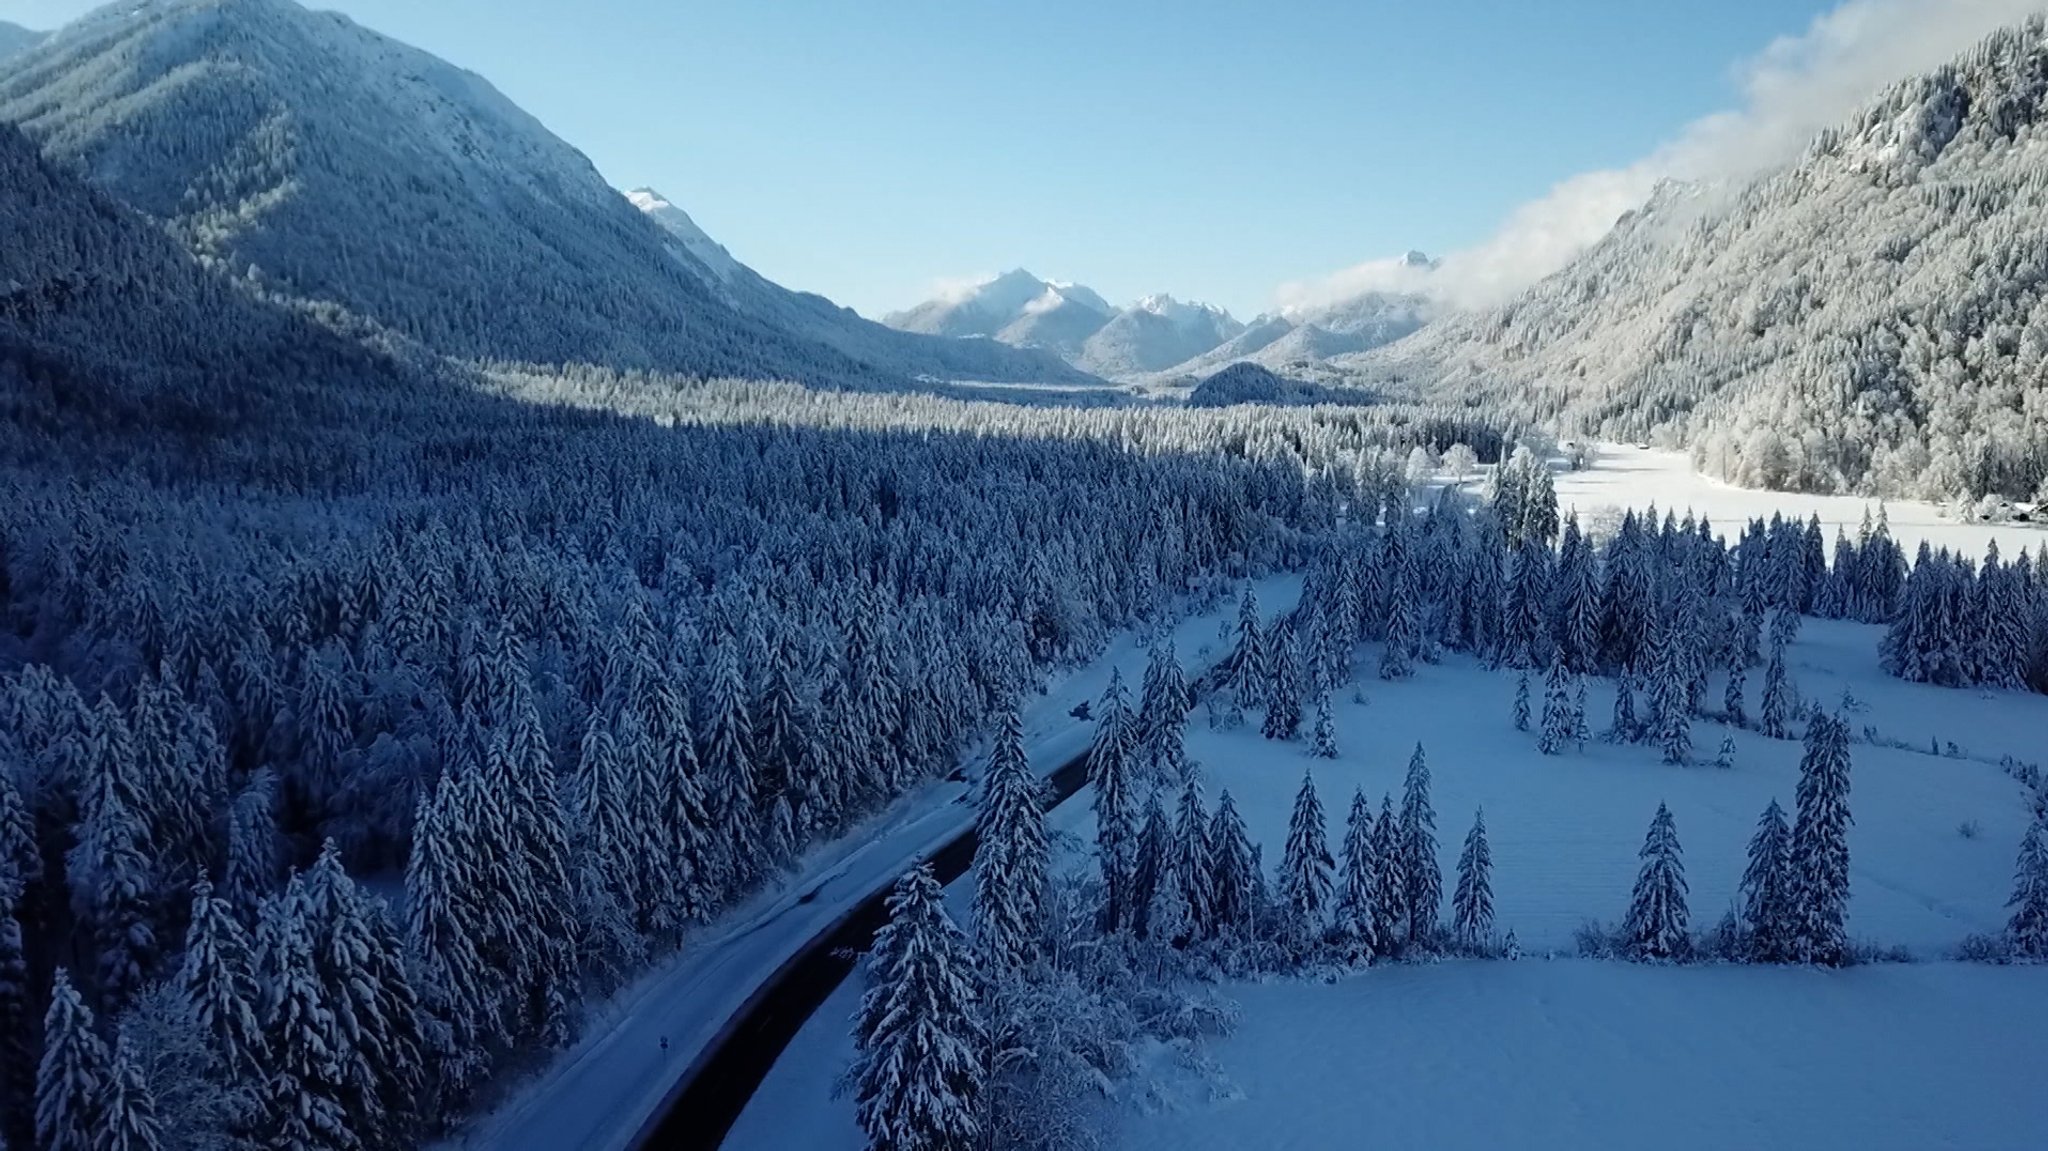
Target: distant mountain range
[
  {"x": 318, "y": 161},
  {"x": 1159, "y": 338}
]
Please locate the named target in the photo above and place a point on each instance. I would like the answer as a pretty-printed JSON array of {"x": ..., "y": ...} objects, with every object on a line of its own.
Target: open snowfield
[
  {"x": 1576, "y": 1053},
  {"x": 1627, "y": 477}
]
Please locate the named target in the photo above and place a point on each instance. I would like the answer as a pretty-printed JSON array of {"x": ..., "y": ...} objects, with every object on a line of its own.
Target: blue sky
[{"x": 870, "y": 150}]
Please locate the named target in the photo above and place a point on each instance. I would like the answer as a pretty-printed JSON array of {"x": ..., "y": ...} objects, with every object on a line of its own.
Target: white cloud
[
  {"x": 1793, "y": 88},
  {"x": 953, "y": 289}
]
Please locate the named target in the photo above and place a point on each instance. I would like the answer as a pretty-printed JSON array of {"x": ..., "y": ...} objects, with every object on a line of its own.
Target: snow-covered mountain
[
  {"x": 1872, "y": 317},
  {"x": 333, "y": 165},
  {"x": 15, "y": 39},
  {"x": 1015, "y": 307},
  {"x": 1155, "y": 333}
]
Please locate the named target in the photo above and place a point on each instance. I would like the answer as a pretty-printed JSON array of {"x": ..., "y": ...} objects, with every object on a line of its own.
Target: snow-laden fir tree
[
  {"x": 1670, "y": 699},
  {"x": 1163, "y": 716},
  {"x": 729, "y": 767},
  {"x": 218, "y": 979},
  {"x": 1305, "y": 871},
  {"x": 1419, "y": 864},
  {"x": 1522, "y": 702},
  {"x": 2028, "y": 927},
  {"x": 303, "y": 1095},
  {"x": 1149, "y": 861},
  {"x": 17, "y": 1056},
  {"x": 359, "y": 958},
  {"x": 1558, "y": 725},
  {"x": 71, "y": 1083},
  {"x": 1766, "y": 891},
  {"x": 1234, "y": 880},
  {"x": 1472, "y": 902},
  {"x": 1582, "y": 731},
  {"x": 1820, "y": 847},
  {"x": 1192, "y": 858},
  {"x": 1392, "y": 909},
  {"x": 1011, "y": 856},
  {"x": 127, "y": 1109},
  {"x": 1731, "y": 699},
  {"x": 1325, "y": 744},
  {"x": 1358, "y": 915},
  {"x": 1657, "y": 923},
  {"x": 1526, "y": 641},
  {"x": 1623, "y": 728},
  {"x": 919, "y": 1073},
  {"x": 1283, "y": 686},
  {"x": 1397, "y": 658},
  {"x": 1248, "y": 658},
  {"x": 1778, "y": 704},
  {"x": 1726, "y": 757},
  {"x": 1116, "y": 804},
  {"x": 109, "y": 867}
]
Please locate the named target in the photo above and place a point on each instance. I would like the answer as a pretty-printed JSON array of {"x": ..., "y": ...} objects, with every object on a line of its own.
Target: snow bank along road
[{"x": 749, "y": 983}]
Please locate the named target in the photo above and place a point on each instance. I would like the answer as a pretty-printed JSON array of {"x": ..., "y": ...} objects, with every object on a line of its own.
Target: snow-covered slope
[
  {"x": 15, "y": 39},
  {"x": 334, "y": 165},
  {"x": 1874, "y": 315},
  {"x": 1156, "y": 333},
  {"x": 813, "y": 317}
]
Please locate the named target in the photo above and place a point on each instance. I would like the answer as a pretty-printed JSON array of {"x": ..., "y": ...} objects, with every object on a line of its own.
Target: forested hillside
[{"x": 1872, "y": 318}]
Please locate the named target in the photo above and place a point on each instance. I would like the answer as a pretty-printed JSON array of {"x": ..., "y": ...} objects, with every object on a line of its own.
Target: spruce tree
[
  {"x": 919, "y": 1073},
  {"x": 1726, "y": 757},
  {"x": 127, "y": 1110},
  {"x": 1305, "y": 870},
  {"x": 2028, "y": 928},
  {"x": 1391, "y": 912},
  {"x": 219, "y": 980},
  {"x": 729, "y": 768},
  {"x": 1193, "y": 859},
  {"x": 1778, "y": 704},
  {"x": 71, "y": 1082},
  {"x": 1418, "y": 853},
  {"x": 1558, "y": 725},
  {"x": 1623, "y": 727},
  {"x": 17, "y": 1056},
  {"x": 1657, "y": 923},
  {"x": 1397, "y": 659},
  {"x": 1731, "y": 700},
  {"x": 1522, "y": 702},
  {"x": 1820, "y": 847},
  {"x": 1155, "y": 840},
  {"x": 1670, "y": 699},
  {"x": 1116, "y": 804},
  {"x": 1011, "y": 856},
  {"x": 1248, "y": 657},
  {"x": 1472, "y": 902},
  {"x": 303, "y": 1090},
  {"x": 1325, "y": 745},
  {"x": 1234, "y": 880},
  {"x": 1766, "y": 891},
  {"x": 1582, "y": 733},
  {"x": 109, "y": 867},
  {"x": 1163, "y": 716},
  {"x": 1358, "y": 914},
  {"x": 1526, "y": 642},
  {"x": 1283, "y": 687},
  {"x": 252, "y": 872}
]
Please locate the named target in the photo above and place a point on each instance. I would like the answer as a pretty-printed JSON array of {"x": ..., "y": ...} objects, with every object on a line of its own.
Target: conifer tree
[
  {"x": 1011, "y": 856},
  {"x": 1358, "y": 914},
  {"x": 71, "y": 1082},
  {"x": 1116, "y": 804},
  {"x": 1248, "y": 657},
  {"x": 252, "y": 872},
  {"x": 1325, "y": 745},
  {"x": 1155, "y": 840},
  {"x": 1766, "y": 891},
  {"x": 1657, "y": 923},
  {"x": 1305, "y": 870},
  {"x": 1397, "y": 659},
  {"x": 109, "y": 867},
  {"x": 1234, "y": 881},
  {"x": 1392, "y": 908},
  {"x": 1526, "y": 642},
  {"x": 1578, "y": 622},
  {"x": 17, "y": 1056},
  {"x": 1193, "y": 858},
  {"x": 303, "y": 1090},
  {"x": 2028, "y": 928},
  {"x": 127, "y": 1110},
  {"x": 1731, "y": 700},
  {"x": 1472, "y": 902},
  {"x": 1726, "y": 758},
  {"x": 729, "y": 768},
  {"x": 1558, "y": 725},
  {"x": 1582, "y": 733},
  {"x": 1418, "y": 853},
  {"x": 1623, "y": 727},
  {"x": 1522, "y": 702},
  {"x": 1283, "y": 688},
  {"x": 920, "y": 1073},
  {"x": 1777, "y": 706},
  {"x": 360, "y": 964},
  {"x": 1820, "y": 847},
  {"x": 1670, "y": 697},
  {"x": 1163, "y": 716},
  {"x": 219, "y": 980}
]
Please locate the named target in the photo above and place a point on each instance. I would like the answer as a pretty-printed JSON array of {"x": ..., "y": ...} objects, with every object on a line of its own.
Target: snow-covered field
[
  {"x": 1579, "y": 1053},
  {"x": 1629, "y": 477}
]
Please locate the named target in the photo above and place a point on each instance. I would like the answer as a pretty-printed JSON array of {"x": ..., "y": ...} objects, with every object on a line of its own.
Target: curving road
[{"x": 713, "y": 1091}]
